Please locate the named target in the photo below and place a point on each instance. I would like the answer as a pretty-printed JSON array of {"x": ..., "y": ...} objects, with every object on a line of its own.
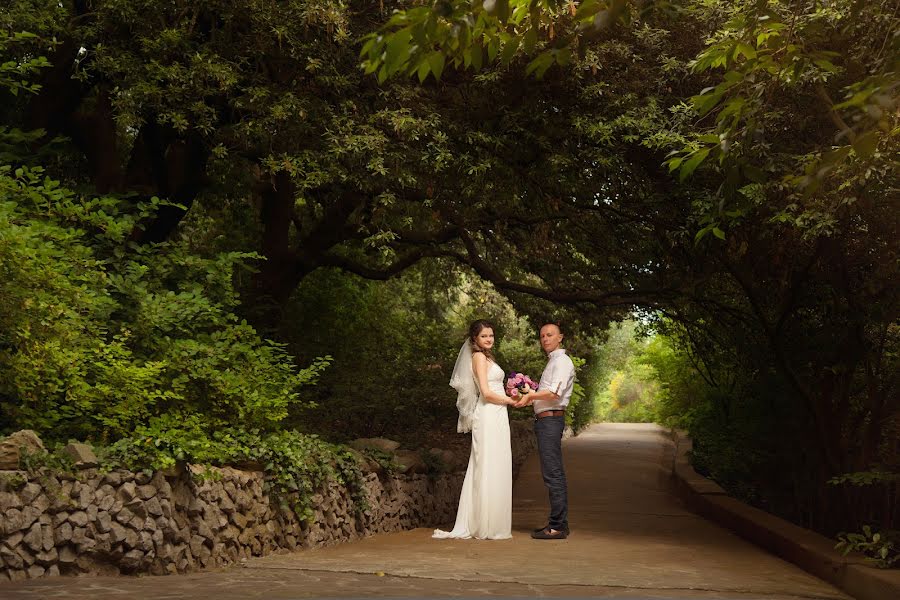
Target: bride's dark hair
[{"x": 474, "y": 329}]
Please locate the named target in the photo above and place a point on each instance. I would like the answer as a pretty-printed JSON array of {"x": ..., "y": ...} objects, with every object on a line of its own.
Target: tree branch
[
  {"x": 400, "y": 265},
  {"x": 611, "y": 298},
  {"x": 835, "y": 117}
]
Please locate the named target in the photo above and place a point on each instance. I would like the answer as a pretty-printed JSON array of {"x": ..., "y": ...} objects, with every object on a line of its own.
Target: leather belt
[{"x": 549, "y": 413}]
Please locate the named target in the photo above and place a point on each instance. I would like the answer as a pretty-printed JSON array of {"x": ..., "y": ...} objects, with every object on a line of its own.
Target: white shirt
[{"x": 559, "y": 378}]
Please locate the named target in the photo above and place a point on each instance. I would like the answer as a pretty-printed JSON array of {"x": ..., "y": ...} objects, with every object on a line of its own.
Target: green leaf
[
  {"x": 368, "y": 46},
  {"x": 530, "y": 40},
  {"x": 502, "y": 10},
  {"x": 477, "y": 56},
  {"x": 745, "y": 49},
  {"x": 732, "y": 78},
  {"x": 423, "y": 70},
  {"x": 718, "y": 233},
  {"x": 754, "y": 174},
  {"x": 540, "y": 64},
  {"x": 865, "y": 144},
  {"x": 734, "y": 106},
  {"x": 706, "y": 102},
  {"x": 493, "y": 49},
  {"x": 509, "y": 50},
  {"x": 397, "y": 50},
  {"x": 835, "y": 156},
  {"x": 825, "y": 65},
  {"x": 692, "y": 163},
  {"x": 858, "y": 99},
  {"x": 436, "y": 62},
  {"x": 702, "y": 233},
  {"x": 587, "y": 9}
]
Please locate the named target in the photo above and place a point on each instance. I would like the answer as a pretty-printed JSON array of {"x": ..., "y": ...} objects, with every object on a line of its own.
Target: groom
[{"x": 550, "y": 401}]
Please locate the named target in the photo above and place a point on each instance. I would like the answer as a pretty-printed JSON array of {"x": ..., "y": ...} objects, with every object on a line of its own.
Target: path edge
[{"x": 811, "y": 551}]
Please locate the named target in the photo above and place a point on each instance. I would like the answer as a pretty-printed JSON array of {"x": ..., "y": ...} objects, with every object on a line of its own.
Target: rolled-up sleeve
[{"x": 559, "y": 374}]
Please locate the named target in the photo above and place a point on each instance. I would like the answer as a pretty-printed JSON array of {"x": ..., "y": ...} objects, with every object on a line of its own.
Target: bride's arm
[{"x": 479, "y": 363}]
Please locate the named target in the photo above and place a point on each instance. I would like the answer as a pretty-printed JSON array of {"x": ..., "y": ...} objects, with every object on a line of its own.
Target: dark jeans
[{"x": 549, "y": 431}]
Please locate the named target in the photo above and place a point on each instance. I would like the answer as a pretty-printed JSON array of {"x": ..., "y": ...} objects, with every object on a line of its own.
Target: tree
[
  {"x": 648, "y": 170},
  {"x": 219, "y": 104}
]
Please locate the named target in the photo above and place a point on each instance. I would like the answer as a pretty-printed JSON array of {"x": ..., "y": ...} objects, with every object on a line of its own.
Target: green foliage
[
  {"x": 881, "y": 548},
  {"x": 627, "y": 388},
  {"x": 12, "y": 482},
  {"x": 580, "y": 412},
  {"x": 142, "y": 348},
  {"x": 725, "y": 449},
  {"x": 55, "y": 460},
  {"x": 395, "y": 344},
  {"x": 206, "y": 474},
  {"x": 95, "y": 341},
  {"x": 647, "y": 378},
  {"x": 420, "y": 41},
  {"x": 769, "y": 267},
  {"x": 434, "y": 464},
  {"x": 296, "y": 465},
  {"x": 21, "y": 61},
  {"x": 680, "y": 386},
  {"x": 384, "y": 459},
  {"x": 810, "y": 54},
  {"x": 15, "y": 74},
  {"x": 866, "y": 478},
  {"x": 767, "y": 67},
  {"x": 629, "y": 397}
]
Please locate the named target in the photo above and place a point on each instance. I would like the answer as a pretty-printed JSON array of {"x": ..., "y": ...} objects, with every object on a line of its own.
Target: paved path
[{"x": 631, "y": 538}]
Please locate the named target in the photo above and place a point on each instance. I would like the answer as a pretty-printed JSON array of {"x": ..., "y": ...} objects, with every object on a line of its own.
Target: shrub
[
  {"x": 295, "y": 464},
  {"x": 881, "y": 548},
  {"x": 100, "y": 336}
]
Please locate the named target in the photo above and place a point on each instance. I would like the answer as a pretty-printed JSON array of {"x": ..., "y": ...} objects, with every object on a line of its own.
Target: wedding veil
[{"x": 463, "y": 381}]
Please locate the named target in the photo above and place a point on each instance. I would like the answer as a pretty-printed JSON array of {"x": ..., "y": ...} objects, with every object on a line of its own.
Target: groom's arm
[
  {"x": 550, "y": 392},
  {"x": 541, "y": 395},
  {"x": 528, "y": 399}
]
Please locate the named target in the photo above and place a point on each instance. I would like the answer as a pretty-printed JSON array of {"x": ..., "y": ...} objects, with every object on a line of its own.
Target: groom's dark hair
[{"x": 556, "y": 322}]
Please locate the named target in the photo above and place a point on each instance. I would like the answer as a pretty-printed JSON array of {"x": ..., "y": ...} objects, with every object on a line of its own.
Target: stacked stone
[{"x": 181, "y": 520}]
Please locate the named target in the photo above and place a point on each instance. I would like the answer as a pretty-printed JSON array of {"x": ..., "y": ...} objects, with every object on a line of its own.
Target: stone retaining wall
[{"x": 124, "y": 522}]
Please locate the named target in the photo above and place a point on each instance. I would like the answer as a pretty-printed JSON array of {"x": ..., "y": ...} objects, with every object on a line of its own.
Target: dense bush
[
  {"x": 98, "y": 336},
  {"x": 626, "y": 389},
  {"x": 395, "y": 344}
]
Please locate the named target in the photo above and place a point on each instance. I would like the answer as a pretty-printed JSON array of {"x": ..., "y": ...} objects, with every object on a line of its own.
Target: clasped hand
[{"x": 524, "y": 400}]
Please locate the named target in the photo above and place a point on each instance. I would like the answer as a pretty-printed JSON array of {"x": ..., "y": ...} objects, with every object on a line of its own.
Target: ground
[{"x": 631, "y": 538}]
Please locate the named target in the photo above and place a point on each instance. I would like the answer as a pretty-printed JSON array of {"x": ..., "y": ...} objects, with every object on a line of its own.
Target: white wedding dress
[{"x": 485, "y": 503}]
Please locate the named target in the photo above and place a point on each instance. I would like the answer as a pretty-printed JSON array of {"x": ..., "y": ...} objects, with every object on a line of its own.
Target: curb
[{"x": 811, "y": 551}]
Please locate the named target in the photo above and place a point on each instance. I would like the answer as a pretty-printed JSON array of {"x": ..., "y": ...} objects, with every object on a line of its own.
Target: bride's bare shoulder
[{"x": 478, "y": 358}]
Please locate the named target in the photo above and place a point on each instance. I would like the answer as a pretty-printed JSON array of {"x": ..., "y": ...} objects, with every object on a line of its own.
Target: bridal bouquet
[{"x": 519, "y": 383}]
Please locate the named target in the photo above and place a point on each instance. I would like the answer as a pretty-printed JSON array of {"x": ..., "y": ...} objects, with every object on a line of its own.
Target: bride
[{"x": 485, "y": 503}]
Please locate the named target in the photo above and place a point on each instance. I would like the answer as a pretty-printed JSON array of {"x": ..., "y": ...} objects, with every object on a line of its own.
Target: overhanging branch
[
  {"x": 380, "y": 274},
  {"x": 649, "y": 297}
]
